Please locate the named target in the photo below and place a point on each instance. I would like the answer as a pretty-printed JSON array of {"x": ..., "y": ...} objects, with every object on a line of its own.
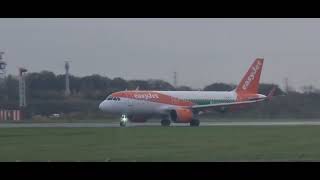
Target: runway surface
[{"x": 113, "y": 125}]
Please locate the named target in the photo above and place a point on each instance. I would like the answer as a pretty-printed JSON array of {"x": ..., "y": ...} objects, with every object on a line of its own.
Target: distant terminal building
[{"x": 13, "y": 115}]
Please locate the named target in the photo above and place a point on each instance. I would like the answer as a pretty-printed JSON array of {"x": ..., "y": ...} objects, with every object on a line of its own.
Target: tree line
[{"x": 45, "y": 95}]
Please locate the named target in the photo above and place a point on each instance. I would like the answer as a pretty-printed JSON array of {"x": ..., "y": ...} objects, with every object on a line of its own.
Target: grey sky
[{"x": 202, "y": 51}]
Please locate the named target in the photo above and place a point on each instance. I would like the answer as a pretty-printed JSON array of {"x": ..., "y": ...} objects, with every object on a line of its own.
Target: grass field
[{"x": 235, "y": 143}]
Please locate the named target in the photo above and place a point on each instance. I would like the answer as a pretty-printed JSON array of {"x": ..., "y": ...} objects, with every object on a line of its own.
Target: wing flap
[{"x": 213, "y": 106}]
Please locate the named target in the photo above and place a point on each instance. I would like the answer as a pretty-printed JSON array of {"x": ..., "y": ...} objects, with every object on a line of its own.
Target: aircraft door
[
  {"x": 130, "y": 103},
  {"x": 173, "y": 100}
]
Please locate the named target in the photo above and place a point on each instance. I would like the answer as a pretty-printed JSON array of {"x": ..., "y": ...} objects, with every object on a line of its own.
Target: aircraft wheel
[
  {"x": 123, "y": 120},
  {"x": 195, "y": 122},
  {"x": 123, "y": 123},
  {"x": 165, "y": 122}
]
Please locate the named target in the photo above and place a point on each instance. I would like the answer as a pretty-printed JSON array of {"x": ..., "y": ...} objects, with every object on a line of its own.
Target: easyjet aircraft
[{"x": 184, "y": 106}]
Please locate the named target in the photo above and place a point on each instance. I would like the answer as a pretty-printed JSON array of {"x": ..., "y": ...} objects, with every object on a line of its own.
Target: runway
[{"x": 151, "y": 124}]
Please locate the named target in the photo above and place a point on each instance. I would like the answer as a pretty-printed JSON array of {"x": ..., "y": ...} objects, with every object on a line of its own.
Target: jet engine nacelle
[
  {"x": 138, "y": 118},
  {"x": 181, "y": 115}
]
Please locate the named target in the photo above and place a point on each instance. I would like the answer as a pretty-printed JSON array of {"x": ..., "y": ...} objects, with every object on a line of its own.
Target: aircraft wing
[
  {"x": 233, "y": 104},
  {"x": 223, "y": 105}
]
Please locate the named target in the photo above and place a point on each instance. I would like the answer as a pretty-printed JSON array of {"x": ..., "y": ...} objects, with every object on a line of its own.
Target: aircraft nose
[
  {"x": 105, "y": 106},
  {"x": 101, "y": 105}
]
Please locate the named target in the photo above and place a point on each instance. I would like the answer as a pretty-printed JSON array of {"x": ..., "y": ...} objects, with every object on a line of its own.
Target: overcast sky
[{"x": 202, "y": 51}]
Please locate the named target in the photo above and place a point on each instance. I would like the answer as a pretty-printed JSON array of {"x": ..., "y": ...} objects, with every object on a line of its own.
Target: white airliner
[{"x": 184, "y": 106}]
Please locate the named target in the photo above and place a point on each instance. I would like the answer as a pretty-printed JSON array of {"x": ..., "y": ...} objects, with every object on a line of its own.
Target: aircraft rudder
[{"x": 250, "y": 81}]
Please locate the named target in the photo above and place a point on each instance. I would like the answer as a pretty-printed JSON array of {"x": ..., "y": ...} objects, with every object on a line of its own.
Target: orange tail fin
[{"x": 250, "y": 82}]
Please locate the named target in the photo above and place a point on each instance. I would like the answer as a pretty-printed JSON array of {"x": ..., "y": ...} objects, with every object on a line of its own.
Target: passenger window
[{"x": 116, "y": 99}]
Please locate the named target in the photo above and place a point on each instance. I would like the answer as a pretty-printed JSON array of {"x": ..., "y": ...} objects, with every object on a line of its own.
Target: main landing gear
[
  {"x": 123, "y": 120},
  {"x": 195, "y": 122},
  {"x": 165, "y": 122}
]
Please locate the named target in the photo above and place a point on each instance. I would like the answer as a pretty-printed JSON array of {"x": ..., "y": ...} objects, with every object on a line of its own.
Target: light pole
[
  {"x": 22, "y": 88},
  {"x": 67, "y": 66},
  {"x": 3, "y": 66}
]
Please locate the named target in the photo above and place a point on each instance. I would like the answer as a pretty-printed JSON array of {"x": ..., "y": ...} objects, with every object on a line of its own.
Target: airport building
[{"x": 14, "y": 115}]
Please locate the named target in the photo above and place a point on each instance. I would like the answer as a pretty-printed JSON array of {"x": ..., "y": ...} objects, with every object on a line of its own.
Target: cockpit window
[
  {"x": 109, "y": 97},
  {"x": 113, "y": 98}
]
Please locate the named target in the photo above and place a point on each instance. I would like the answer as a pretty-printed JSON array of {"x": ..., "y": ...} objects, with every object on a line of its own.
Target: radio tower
[{"x": 66, "y": 66}]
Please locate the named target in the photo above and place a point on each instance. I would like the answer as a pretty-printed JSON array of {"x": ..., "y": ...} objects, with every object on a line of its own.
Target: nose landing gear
[{"x": 123, "y": 120}]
